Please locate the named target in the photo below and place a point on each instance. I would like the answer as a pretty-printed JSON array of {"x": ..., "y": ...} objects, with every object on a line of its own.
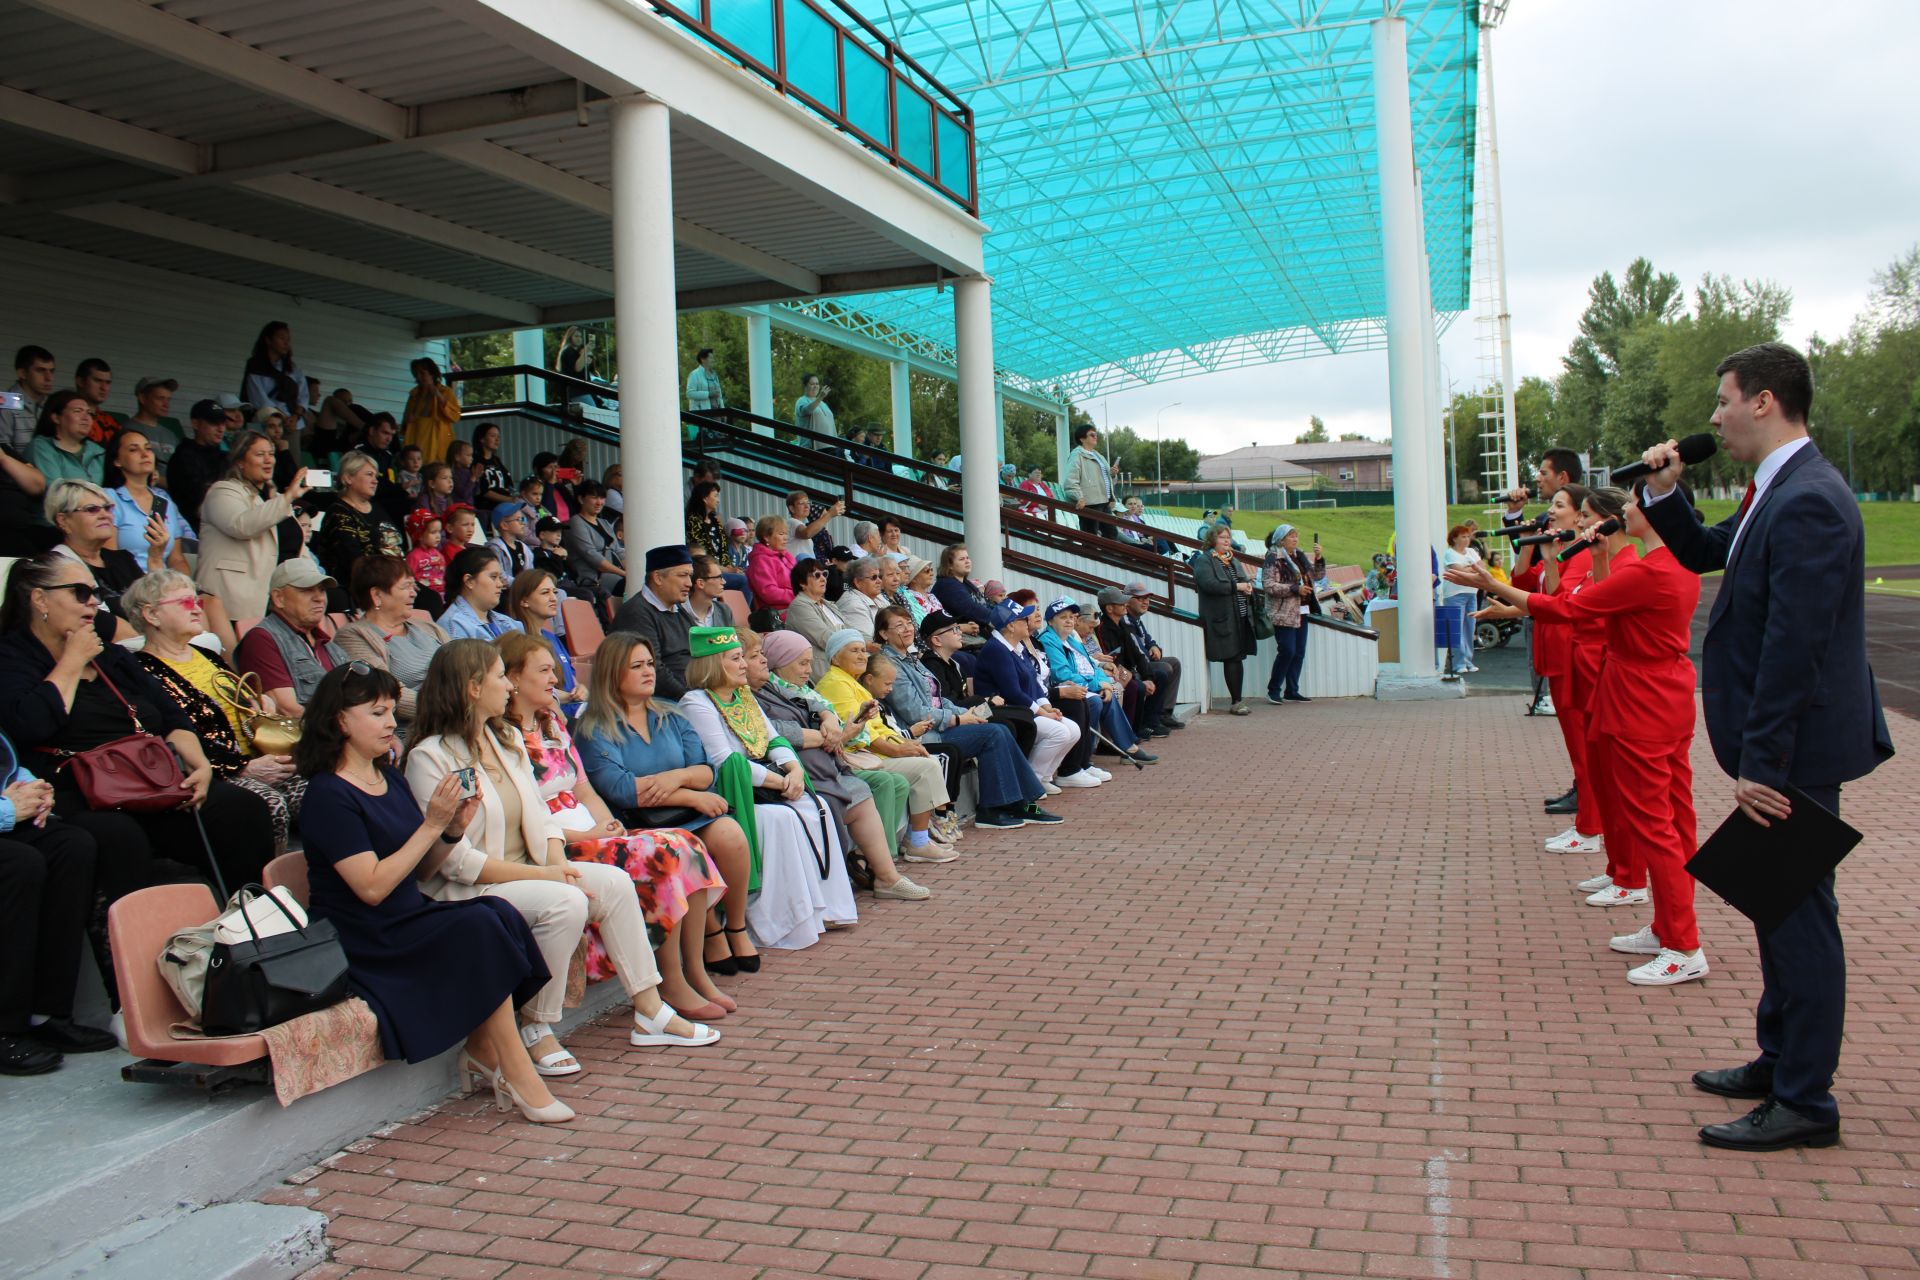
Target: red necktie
[{"x": 1746, "y": 500}]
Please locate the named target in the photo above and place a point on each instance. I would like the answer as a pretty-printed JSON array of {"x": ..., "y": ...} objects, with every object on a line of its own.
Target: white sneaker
[
  {"x": 1615, "y": 896},
  {"x": 1554, "y": 841},
  {"x": 902, "y": 890},
  {"x": 1594, "y": 884},
  {"x": 1642, "y": 943},
  {"x": 931, "y": 851},
  {"x": 1577, "y": 843},
  {"x": 1544, "y": 707},
  {"x": 1082, "y": 779},
  {"x": 1669, "y": 967},
  {"x": 1050, "y": 788},
  {"x": 1100, "y": 775}
]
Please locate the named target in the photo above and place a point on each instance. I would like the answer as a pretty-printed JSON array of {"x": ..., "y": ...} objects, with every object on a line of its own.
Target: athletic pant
[
  {"x": 1653, "y": 799},
  {"x": 1623, "y": 865},
  {"x": 1571, "y": 712}
]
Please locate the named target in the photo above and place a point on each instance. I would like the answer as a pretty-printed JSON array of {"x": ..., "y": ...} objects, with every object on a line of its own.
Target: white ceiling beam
[
  {"x": 109, "y": 137},
  {"x": 234, "y": 244},
  {"x": 145, "y": 26},
  {"x": 340, "y": 202},
  {"x": 512, "y": 166}
]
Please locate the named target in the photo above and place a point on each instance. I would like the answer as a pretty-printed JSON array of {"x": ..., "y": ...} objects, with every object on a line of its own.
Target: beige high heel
[
  {"x": 474, "y": 1075},
  {"x": 507, "y": 1098}
]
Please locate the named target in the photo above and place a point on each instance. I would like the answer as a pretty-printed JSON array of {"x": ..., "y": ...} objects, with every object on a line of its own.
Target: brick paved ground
[{"x": 1304, "y": 1004}]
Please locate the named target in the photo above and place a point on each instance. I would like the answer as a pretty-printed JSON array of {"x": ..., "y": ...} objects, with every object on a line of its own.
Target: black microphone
[
  {"x": 1540, "y": 539},
  {"x": 1694, "y": 449},
  {"x": 1534, "y": 525},
  {"x": 1606, "y": 528}
]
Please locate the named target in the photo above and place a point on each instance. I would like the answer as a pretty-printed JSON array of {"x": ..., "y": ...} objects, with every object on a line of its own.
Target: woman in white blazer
[
  {"x": 238, "y": 545},
  {"x": 516, "y": 849}
]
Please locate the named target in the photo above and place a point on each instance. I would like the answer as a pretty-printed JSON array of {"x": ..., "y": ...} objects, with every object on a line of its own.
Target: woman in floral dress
[{"x": 673, "y": 876}]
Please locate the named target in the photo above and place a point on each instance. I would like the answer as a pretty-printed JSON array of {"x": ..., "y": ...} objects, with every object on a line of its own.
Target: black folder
[{"x": 1764, "y": 873}]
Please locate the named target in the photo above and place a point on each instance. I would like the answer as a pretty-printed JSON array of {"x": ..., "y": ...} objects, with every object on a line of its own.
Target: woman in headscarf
[
  {"x": 1288, "y": 578},
  {"x": 1226, "y": 609}
]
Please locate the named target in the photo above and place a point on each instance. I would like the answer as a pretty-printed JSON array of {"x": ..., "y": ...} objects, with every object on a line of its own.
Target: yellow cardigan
[{"x": 847, "y": 694}]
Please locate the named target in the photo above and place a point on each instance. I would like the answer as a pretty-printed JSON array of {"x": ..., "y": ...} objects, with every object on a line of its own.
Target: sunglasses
[
  {"x": 83, "y": 592},
  {"x": 91, "y": 509}
]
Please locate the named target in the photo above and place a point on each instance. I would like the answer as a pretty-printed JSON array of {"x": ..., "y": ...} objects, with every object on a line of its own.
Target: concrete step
[{"x": 224, "y": 1242}]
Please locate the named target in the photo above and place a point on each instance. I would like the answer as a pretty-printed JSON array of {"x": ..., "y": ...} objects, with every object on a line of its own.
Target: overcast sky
[{"x": 1755, "y": 138}]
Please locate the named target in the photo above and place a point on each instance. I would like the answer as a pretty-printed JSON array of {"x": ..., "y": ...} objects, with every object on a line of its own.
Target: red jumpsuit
[
  {"x": 1643, "y": 712},
  {"x": 1589, "y": 654},
  {"x": 1553, "y": 658}
]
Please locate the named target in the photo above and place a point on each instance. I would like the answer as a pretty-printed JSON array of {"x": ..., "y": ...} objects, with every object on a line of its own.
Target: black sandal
[
  {"x": 747, "y": 964},
  {"x": 724, "y": 967}
]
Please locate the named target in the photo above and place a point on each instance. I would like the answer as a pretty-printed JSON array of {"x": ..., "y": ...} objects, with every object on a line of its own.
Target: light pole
[{"x": 1158, "y": 483}]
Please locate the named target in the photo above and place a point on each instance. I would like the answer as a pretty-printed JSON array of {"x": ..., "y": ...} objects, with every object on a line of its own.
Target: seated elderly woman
[
  {"x": 649, "y": 765},
  {"x": 675, "y": 880},
  {"x": 1070, "y": 662},
  {"x": 63, "y": 691},
  {"x": 533, "y": 600},
  {"x": 165, "y": 609},
  {"x": 800, "y": 882},
  {"x": 872, "y": 806},
  {"x": 519, "y": 853},
  {"x": 83, "y": 513},
  {"x": 291, "y": 649},
  {"x": 889, "y": 748},
  {"x": 475, "y": 586},
  {"x": 810, "y": 614},
  {"x": 386, "y": 635},
  {"x": 433, "y": 972},
  {"x": 1009, "y": 789},
  {"x": 1007, "y": 670}
]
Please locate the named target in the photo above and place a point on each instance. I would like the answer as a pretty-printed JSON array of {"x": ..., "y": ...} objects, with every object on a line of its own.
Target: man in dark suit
[{"x": 1789, "y": 700}]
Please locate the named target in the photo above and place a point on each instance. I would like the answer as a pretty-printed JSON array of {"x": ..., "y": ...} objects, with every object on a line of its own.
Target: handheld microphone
[
  {"x": 1694, "y": 449},
  {"x": 1541, "y": 539},
  {"x": 1534, "y": 525},
  {"x": 1606, "y": 528}
]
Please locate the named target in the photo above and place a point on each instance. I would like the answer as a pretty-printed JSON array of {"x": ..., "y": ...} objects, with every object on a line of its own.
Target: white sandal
[
  {"x": 531, "y": 1034},
  {"x": 651, "y": 1031}
]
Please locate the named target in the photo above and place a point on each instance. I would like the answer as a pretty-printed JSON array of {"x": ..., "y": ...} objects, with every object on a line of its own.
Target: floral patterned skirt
[{"x": 672, "y": 875}]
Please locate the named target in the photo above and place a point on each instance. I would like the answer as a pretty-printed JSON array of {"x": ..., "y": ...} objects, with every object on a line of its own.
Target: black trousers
[
  {"x": 239, "y": 826},
  {"x": 1156, "y": 706},
  {"x": 1803, "y": 999},
  {"x": 46, "y": 893},
  {"x": 1076, "y": 710}
]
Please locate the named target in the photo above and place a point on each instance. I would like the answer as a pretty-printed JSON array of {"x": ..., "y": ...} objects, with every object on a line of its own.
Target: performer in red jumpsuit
[
  {"x": 1644, "y": 704},
  {"x": 1553, "y": 659}
]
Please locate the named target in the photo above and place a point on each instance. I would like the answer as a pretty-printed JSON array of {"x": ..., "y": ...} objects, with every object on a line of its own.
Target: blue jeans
[
  {"x": 1006, "y": 779},
  {"x": 737, "y": 582},
  {"x": 1113, "y": 723},
  {"x": 1289, "y": 655},
  {"x": 1462, "y": 639}
]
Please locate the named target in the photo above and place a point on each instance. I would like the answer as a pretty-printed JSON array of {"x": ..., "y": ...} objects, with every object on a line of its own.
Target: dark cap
[{"x": 208, "y": 411}]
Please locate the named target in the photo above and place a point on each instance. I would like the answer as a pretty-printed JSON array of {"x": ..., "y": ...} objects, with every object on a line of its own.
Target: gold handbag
[{"x": 267, "y": 734}]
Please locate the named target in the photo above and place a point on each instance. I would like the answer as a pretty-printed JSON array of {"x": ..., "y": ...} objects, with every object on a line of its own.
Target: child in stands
[
  {"x": 462, "y": 526},
  {"x": 426, "y": 561}
]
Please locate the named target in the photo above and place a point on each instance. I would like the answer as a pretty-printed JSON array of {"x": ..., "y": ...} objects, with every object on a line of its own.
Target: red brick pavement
[{"x": 1300, "y": 1003}]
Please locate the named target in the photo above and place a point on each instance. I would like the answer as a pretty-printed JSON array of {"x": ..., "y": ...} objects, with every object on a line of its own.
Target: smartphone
[
  {"x": 468, "y": 781},
  {"x": 160, "y": 506},
  {"x": 12, "y": 400},
  {"x": 568, "y": 474},
  {"x": 319, "y": 479}
]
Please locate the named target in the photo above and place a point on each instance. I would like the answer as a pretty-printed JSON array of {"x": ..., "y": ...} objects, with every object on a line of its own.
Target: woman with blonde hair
[
  {"x": 517, "y": 850},
  {"x": 240, "y": 540},
  {"x": 651, "y": 767},
  {"x": 675, "y": 880},
  {"x": 800, "y": 883}
]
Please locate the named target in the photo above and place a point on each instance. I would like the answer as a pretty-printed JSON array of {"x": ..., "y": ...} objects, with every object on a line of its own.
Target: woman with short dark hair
[
  {"x": 1226, "y": 609},
  {"x": 386, "y": 635},
  {"x": 431, "y": 410}
]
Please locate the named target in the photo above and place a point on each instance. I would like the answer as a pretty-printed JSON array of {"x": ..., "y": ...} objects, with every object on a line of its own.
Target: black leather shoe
[
  {"x": 62, "y": 1035},
  {"x": 1771, "y": 1126},
  {"x": 20, "y": 1056},
  {"x": 1571, "y": 793},
  {"x": 1298, "y": 697},
  {"x": 1143, "y": 757},
  {"x": 1568, "y": 803},
  {"x": 1749, "y": 1081}
]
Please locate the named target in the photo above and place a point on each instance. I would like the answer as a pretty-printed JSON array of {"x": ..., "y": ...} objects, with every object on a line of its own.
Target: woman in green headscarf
[{"x": 800, "y": 885}]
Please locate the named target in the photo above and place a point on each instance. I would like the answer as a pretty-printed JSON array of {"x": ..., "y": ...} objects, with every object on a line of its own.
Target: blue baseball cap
[{"x": 1007, "y": 611}]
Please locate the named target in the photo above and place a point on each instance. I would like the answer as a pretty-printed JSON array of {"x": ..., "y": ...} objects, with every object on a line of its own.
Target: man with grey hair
[
  {"x": 866, "y": 539},
  {"x": 861, "y": 601}
]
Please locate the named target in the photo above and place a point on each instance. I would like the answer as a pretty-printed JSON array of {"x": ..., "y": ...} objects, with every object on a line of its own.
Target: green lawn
[{"x": 1351, "y": 535}]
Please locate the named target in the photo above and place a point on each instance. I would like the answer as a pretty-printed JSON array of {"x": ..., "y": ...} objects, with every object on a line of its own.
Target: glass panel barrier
[
  {"x": 747, "y": 24},
  {"x": 867, "y": 93},
  {"x": 956, "y": 172},
  {"x": 810, "y": 56},
  {"x": 916, "y": 127}
]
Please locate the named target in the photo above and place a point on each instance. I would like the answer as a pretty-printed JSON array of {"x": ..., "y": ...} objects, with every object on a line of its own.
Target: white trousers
[
  {"x": 557, "y": 913},
  {"x": 1052, "y": 739},
  {"x": 796, "y": 903}
]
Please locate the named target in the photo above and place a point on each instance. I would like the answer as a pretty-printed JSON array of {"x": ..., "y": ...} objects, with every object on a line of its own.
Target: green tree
[
  {"x": 1353, "y": 435},
  {"x": 1614, "y": 312},
  {"x": 1726, "y": 317},
  {"x": 1316, "y": 432},
  {"x": 1867, "y": 385}
]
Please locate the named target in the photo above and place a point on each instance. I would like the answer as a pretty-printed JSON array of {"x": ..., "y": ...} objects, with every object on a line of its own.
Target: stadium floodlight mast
[{"x": 1158, "y": 483}]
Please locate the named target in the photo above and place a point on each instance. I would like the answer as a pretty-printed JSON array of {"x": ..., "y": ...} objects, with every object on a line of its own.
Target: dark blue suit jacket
[
  {"x": 1002, "y": 672},
  {"x": 1788, "y": 694}
]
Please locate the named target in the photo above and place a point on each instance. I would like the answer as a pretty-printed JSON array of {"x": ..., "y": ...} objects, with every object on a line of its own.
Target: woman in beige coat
[
  {"x": 238, "y": 545},
  {"x": 516, "y": 849}
]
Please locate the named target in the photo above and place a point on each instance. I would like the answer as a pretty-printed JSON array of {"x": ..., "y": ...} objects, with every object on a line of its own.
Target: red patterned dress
[{"x": 671, "y": 872}]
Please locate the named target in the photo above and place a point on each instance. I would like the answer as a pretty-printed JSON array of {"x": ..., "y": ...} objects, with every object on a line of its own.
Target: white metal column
[
  {"x": 999, "y": 423},
  {"x": 760, "y": 366},
  {"x": 530, "y": 348},
  {"x": 1406, "y": 360},
  {"x": 979, "y": 396},
  {"x": 902, "y": 408},
  {"x": 1490, "y": 179},
  {"x": 1430, "y": 350},
  {"x": 644, "y": 311},
  {"x": 1061, "y": 447}
]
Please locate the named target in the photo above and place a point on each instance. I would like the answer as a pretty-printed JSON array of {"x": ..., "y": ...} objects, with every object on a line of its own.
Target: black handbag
[
  {"x": 262, "y": 982},
  {"x": 660, "y": 816}
]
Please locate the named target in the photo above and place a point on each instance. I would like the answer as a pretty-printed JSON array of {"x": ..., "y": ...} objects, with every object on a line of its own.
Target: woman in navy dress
[{"x": 435, "y": 973}]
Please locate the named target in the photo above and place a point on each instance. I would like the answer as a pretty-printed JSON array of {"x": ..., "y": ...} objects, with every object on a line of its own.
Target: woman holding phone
[{"x": 1643, "y": 715}]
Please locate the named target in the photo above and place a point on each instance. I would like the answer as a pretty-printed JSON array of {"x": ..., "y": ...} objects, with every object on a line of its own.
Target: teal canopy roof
[{"x": 1176, "y": 187}]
